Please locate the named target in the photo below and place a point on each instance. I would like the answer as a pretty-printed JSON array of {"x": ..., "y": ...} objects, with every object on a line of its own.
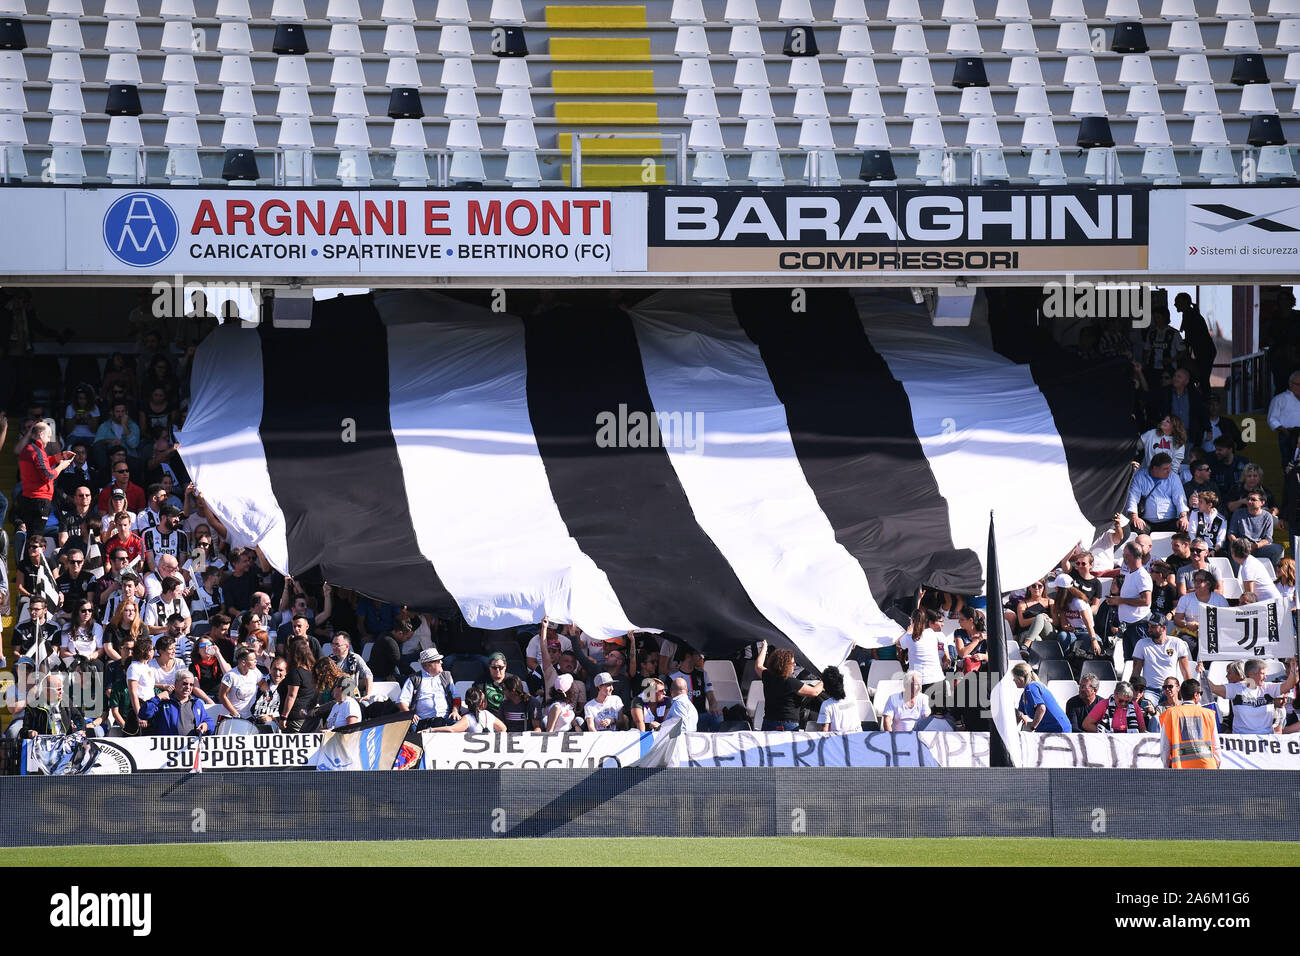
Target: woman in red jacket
[{"x": 37, "y": 471}]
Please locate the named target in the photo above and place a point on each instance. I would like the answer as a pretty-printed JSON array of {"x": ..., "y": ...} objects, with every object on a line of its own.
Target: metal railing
[
  {"x": 575, "y": 152},
  {"x": 1250, "y": 383}
]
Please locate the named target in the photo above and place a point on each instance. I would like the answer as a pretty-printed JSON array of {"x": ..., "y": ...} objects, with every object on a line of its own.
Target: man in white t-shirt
[
  {"x": 1159, "y": 656},
  {"x": 1133, "y": 603},
  {"x": 926, "y": 655},
  {"x": 1254, "y": 577},
  {"x": 602, "y": 711},
  {"x": 1253, "y": 699},
  {"x": 239, "y": 685},
  {"x": 904, "y": 709}
]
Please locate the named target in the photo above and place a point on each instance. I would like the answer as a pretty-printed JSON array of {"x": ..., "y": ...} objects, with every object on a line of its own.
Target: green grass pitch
[{"x": 754, "y": 851}]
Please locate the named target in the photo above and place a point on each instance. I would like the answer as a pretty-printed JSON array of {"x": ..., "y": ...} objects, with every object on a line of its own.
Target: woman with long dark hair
[
  {"x": 971, "y": 640},
  {"x": 298, "y": 692}
]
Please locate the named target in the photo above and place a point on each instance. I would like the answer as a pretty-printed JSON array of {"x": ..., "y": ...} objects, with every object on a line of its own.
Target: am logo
[{"x": 140, "y": 229}]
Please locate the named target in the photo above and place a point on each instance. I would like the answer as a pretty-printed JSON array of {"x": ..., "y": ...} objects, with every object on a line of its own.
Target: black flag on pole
[{"x": 998, "y": 756}]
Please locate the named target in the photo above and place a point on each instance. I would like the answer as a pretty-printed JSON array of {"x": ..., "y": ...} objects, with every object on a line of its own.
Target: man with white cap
[
  {"x": 430, "y": 694},
  {"x": 602, "y": 710}
]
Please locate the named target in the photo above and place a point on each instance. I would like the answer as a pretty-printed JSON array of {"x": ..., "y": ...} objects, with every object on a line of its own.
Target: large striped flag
[{"x": 707, "y": 464}]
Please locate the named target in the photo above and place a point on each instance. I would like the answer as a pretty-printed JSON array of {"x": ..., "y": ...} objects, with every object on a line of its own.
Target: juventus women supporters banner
[{"x": 707, "y": 465}]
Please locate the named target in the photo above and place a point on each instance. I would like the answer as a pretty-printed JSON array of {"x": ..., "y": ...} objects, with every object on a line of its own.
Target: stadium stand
[
  {"x": 369, "y": 94},
  {"x": 362, "y": 93}
]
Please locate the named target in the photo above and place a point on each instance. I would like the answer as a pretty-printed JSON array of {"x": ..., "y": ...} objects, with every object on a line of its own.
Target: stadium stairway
[{"x": 612, "y": 61}]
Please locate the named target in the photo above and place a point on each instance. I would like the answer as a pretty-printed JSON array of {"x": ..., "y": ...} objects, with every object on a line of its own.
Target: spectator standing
[
  {"x": 1038, "y": 709},
  {"x": 923, "y": 648},
  {"x": 682, "y": 709},
  {"x": 1189, "y": 739},
  {"x": 1159, "y": 656},
  {"x": 1202, "y": 480},
  {"x": 238, "y": 690},
  {"x": 37, "y": 470},
  {"x": 1133, "y": 603},
  {"x": 140, "y": 676},
  {"x": 1185, "y": 403},
  {"x": 1226, "y": 466},
  {"x": 298, "y": 693},
  {"x": 781, "y": 691},
  {"x": 701, "y": 689},
  {"x": 1284, "y": 416},
  {"x": 1253, "y": 698},
  {"x": 1200, "y": 343},
  {"x": 209, "y": 666}
]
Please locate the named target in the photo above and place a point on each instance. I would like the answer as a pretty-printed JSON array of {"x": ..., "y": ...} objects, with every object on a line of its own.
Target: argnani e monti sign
[{"x": 347, "y": 233}]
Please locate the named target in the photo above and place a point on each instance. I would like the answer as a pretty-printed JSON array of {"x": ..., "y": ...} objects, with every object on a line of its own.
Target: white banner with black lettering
[
  {"x": 1266, "y": 629},
  {"x": 104, "y": 755},
  {"x": 536, "y": 751},
  {"x": 1142, "y": 751}
]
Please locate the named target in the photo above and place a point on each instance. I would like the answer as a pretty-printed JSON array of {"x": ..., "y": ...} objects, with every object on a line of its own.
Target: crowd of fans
[{"x": 126, "y": 580}]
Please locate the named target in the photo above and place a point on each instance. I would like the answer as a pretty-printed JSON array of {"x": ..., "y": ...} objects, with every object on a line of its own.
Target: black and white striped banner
[{"x": 706, "y": 464}]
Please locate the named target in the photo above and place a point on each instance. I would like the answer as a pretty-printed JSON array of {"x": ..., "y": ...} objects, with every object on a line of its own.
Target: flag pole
[{"x": 994, "y": 628}]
